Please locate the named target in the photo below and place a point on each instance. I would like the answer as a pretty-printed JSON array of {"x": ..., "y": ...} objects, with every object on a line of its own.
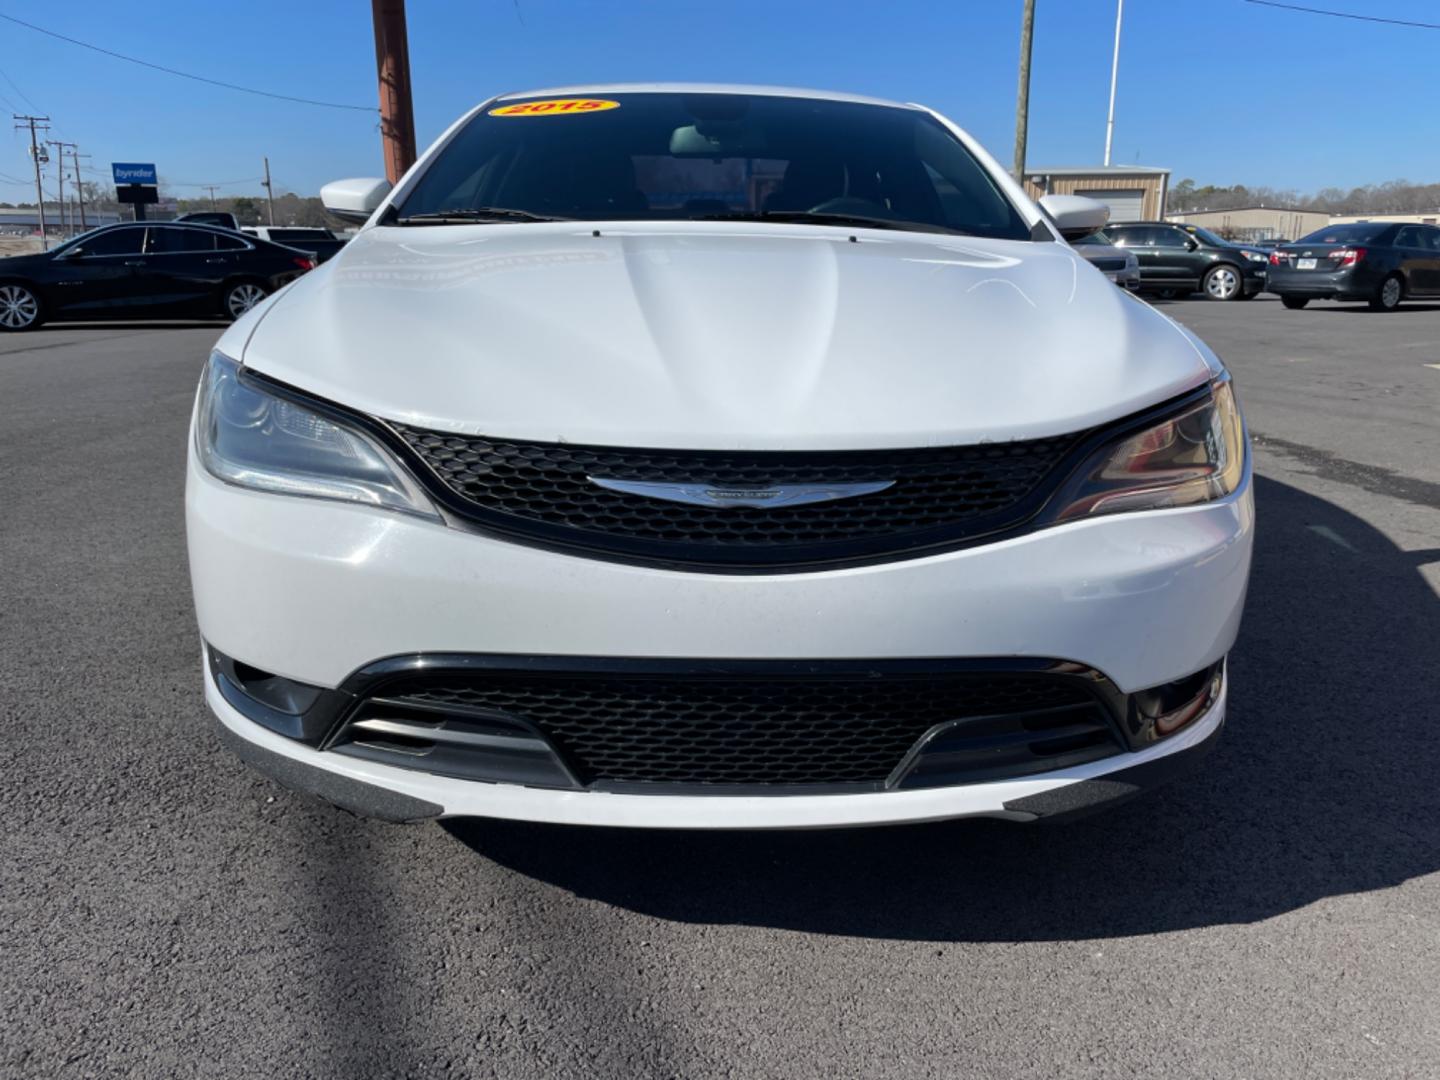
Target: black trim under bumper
[
  {"x": 345, "y": 792},
  {"x": 1086, "y": 797}
]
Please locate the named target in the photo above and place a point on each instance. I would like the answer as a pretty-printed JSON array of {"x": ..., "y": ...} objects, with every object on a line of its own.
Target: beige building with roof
[
  {"x": 1255, "y": 222},
  {"x": 1133, "y": 192}
]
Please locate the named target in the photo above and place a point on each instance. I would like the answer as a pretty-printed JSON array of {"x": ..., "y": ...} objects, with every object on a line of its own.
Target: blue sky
[{"x": 1219, "y": 90}]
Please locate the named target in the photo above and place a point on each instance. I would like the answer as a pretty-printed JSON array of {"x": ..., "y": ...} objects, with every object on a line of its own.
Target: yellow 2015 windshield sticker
[{"x": 555, "y": 107}]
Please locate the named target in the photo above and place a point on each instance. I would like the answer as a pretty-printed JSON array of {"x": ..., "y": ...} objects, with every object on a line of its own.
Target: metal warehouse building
[
  {"x": 1133, "y": 192},
  {"x": 1256, "y": 222}
]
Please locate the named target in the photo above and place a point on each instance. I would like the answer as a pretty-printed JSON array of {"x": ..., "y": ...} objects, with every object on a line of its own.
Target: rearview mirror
[
  {"x": 1074, "y": 215},
  {"x": 355, "y": 199}
]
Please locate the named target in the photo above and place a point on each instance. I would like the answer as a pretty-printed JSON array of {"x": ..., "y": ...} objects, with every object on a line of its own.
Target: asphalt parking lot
[{"x": 165, "y": 912}]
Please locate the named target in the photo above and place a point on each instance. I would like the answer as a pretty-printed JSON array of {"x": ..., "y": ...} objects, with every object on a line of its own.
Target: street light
[{"x": 1114, "y": 71}]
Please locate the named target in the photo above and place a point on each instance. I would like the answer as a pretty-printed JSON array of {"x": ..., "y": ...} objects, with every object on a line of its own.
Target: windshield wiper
[
  {"x": 820, "y": 217},
  {"x": 475, "y": 214}
]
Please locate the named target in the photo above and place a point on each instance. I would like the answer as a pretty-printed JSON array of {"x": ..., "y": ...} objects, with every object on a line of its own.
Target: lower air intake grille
[
  {"x": 796, "y": 729},
  {"x": 546, "y": 490}
]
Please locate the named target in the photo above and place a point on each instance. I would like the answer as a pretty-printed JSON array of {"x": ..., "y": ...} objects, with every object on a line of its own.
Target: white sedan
[{"x": 715, "y": 457}]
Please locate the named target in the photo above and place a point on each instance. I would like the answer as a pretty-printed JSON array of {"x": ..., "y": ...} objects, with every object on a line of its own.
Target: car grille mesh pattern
[
  {"x": 958, "y": 491},
  {"x": 852, "y": 729}
]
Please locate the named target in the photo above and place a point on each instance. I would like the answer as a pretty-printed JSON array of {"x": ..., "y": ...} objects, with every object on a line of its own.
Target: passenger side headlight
[
  {"x": 253, "y": 438},
  {"x": 1193, "y": 456}
]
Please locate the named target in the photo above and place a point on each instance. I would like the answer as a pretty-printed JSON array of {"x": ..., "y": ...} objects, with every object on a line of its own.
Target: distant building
[
  {"x": 1429, "y": 217},
  {"x": 27, "y": 219},
  {"x": 1256, "y": 222},
  {"x": 1282, "y": 222},
  {"x": 1133, "y": 192}
]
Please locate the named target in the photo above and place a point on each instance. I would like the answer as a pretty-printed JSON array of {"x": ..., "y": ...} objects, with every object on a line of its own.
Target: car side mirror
[
  {"x": 1074, "y": 215},
  {"x": 71, "y": 253},
  {"x": 1191, "y": 243},
  {"x": 355, "y": 199}
]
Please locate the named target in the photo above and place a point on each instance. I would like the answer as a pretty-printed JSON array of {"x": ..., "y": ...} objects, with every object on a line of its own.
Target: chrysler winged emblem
[{"x": 701, "y": 494}]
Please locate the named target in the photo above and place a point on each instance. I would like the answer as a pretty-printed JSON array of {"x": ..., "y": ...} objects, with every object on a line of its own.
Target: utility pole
[
  {"x": 1114, "y": 71},
  {"x": 392, "y": 63},
  {"x": 1022, "y": 101},
  {"x": 269, "y": 192},
  {"x": 31, "y": 121},
  {"x": 60, "y": 170},
  {"x": 75, "y": 156},
  {"x": 211, "y": 188}
]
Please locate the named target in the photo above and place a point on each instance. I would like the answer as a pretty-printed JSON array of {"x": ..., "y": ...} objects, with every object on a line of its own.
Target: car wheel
[
  {"x": 19, "y": 308},
  {"x": 1392, "y": 291},
  {"x": 1295, "y": 303},
  {"x": 1223, "y": 282},
  {"x": 241, "y": 297}
]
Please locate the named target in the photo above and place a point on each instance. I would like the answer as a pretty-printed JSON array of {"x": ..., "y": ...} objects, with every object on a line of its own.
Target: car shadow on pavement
[
  {"x": 1323, "y": 784},
  {"x": 1365, "y": 309},
  {"x": 125, "y": 324}
]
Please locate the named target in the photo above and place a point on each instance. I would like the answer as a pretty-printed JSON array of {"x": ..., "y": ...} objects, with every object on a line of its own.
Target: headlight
[
  {"x": 1193, "y": 456},
  {"x": 1255, "y": 256},
  {"x": 255, "y": 439}
]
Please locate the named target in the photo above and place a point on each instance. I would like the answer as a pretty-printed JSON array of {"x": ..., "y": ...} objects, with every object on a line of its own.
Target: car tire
[
  {"x": 20, "y": 308},
  {"x": 1294, "y": 303},
  {"x": 1389, "y": 295},
  {"x": 240, "y": 296},
  {"x": 1223, "y": 282}
]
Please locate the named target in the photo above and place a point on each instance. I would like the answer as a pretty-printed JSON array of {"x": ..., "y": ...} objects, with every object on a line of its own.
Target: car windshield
[
  {"x": 1358, "y": 233},
  {"x": 675, "y": 156},
  {"x": 1094, "y": 238},
  {"x": 1208, "y": 237}
]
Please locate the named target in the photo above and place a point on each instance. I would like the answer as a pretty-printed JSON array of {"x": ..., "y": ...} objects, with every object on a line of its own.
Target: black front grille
[
  {"x": 755, "y": 729},
  {"x": 544, "y": 490},
  {"x": 1108, "y": 264}
]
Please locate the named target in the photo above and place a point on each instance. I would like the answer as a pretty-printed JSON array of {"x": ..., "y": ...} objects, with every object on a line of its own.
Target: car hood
[{"x": 719, "y": 335}]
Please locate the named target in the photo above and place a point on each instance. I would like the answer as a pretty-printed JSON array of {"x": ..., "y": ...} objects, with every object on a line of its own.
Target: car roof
[
  {"x": 700, "y": 88},
  {"x": 161, "y": 224}
]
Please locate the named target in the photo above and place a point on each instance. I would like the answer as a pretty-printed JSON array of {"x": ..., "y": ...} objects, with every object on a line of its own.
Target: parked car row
[{"x": 1379, "y": 263}]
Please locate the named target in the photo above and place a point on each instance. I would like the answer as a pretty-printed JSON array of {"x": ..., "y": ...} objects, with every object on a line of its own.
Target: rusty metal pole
[{"x": 392, "y": 64}]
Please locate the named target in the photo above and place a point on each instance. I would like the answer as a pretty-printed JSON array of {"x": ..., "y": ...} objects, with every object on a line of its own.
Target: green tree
[{"x": 246, "y": 210}]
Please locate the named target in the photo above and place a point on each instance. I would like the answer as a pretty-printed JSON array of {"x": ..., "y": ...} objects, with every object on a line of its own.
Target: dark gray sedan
[{"x": 1379, "y": 262}]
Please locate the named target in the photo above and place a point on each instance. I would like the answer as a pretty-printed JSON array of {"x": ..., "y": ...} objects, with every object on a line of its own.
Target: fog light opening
[{"x": 1173, "y": 706}]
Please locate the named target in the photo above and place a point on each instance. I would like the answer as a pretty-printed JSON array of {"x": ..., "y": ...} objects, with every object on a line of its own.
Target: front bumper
[
  {"x": 314, "y": 591},
  {"x": 400, "y": 795}
]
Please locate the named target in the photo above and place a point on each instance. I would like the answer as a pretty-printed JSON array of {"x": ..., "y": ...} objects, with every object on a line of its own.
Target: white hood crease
[{"x": 721, "y": 335}]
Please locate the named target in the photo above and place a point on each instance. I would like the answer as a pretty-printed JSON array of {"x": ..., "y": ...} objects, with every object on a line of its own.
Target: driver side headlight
[
  {"x": 1195, "y": 455},
  {"x": 253, "y": 438}
]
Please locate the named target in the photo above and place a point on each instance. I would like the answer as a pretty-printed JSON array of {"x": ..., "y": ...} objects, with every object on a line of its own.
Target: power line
[
  {"x": 1344, "y": 15},
  {"x": 216, "y": 184},
  {"x": 17, "y": 89},
  {"x": 184, "y": 74}
]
